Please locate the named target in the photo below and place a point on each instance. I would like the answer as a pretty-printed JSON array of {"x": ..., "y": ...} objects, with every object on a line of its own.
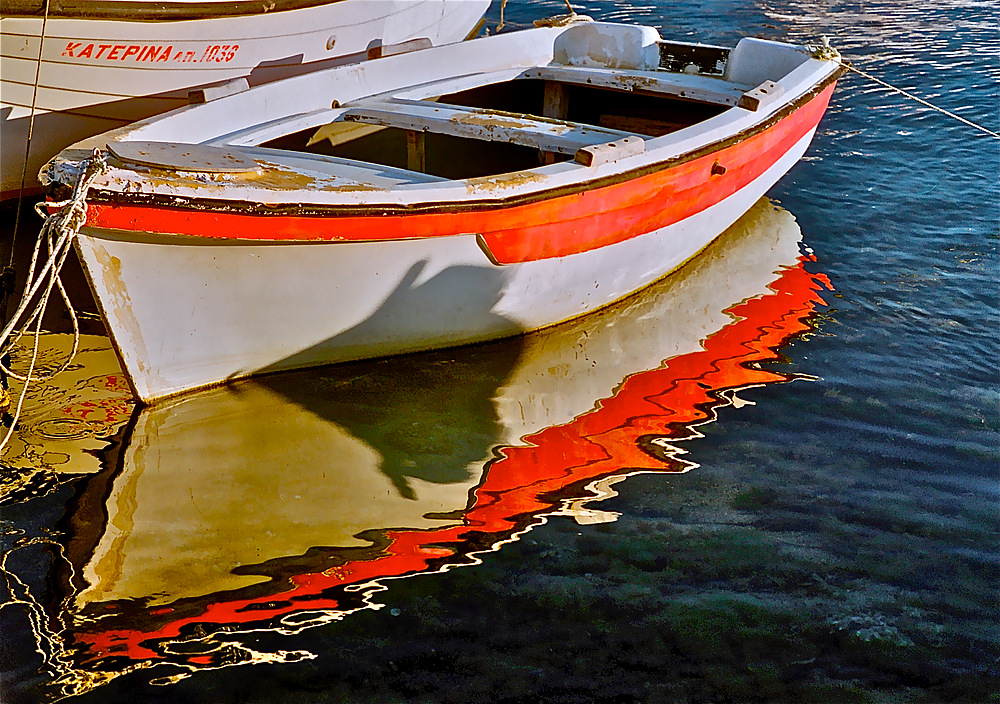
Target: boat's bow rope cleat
[{"x": 824, "y": 51}]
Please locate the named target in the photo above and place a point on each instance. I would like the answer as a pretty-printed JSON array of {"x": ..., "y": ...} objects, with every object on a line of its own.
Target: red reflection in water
[{"x": 523, "y": 484}]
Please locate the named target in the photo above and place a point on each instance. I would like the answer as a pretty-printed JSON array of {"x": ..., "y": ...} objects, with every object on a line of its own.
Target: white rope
[
  {"x": 58, "y": 232},
  {"x": 921, "y": 101}
]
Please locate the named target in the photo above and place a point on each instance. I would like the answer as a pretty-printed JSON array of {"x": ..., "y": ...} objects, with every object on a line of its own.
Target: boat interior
[
  {"x": 507, "y": 121},
  {"x": 542, "y": 116},
  {"x": 481, "y": 125}
]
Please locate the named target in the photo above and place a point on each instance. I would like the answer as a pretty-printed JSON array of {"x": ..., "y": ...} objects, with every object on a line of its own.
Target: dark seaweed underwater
[{"x": 834, "y": 539}]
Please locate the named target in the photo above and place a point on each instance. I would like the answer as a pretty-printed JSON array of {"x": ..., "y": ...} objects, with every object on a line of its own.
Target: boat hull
[
  {"x": 95, "y": 74},
  {"x": 191, "y": 312}
]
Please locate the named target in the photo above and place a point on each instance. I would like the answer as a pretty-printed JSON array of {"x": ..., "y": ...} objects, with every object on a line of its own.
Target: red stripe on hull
[{"x": 547, "y": 228}]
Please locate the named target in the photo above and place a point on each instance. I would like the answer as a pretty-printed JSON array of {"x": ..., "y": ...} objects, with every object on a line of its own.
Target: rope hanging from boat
[
  {"x": 58, "y": 233},
  {"x": 906, "y": 94}
]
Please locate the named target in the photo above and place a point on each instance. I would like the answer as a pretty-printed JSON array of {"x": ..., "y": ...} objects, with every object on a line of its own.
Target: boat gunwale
[{"x": 99, "y": 196}]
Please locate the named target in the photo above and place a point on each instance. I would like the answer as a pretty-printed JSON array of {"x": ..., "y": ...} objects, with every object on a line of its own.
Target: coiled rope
[
  {"x": 60, "y": 229},
  {"x": 557, "y": 21}
]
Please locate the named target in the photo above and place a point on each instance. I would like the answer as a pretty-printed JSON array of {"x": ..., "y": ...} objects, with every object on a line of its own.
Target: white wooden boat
[
  {"x": 452, "y": 195},
  {"x": 106, "y": 63},
  {"x": 300, "y": 491}
]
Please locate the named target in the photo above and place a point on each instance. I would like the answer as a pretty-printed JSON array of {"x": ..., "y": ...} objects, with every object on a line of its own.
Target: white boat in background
[
  {"x": 106, "y": 63},
  {"x": 452, "y": 195}
]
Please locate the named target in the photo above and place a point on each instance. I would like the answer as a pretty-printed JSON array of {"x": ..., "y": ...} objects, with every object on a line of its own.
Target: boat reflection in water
[{"x": 284, "y": 502}]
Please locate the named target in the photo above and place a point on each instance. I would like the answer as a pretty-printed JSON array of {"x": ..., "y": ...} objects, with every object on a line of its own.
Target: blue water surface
[{"x": 836, "y": 541}]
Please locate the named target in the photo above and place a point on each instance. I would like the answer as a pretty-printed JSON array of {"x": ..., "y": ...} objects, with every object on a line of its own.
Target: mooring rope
[
  {"x": 60, "y": 229},
  {"x": 563, "y": 19},
  {"x": 880, "y": 82},
  {"x": 31, "y": 129}
]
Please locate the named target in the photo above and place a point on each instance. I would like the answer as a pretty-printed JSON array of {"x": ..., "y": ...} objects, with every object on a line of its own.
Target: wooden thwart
[
  {"x": 547, "y": 135},
  {"x": 704, "y": 89}
]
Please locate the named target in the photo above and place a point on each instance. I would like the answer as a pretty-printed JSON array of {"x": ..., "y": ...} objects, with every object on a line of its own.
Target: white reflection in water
[{"x": 281, "y": 503}]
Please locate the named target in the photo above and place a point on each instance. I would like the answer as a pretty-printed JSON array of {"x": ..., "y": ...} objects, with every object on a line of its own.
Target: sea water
[{"x": 770, "y": 478}]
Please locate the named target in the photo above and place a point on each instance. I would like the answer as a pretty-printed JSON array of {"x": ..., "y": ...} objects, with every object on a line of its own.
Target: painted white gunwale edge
[{"x": 384, "y": 76}]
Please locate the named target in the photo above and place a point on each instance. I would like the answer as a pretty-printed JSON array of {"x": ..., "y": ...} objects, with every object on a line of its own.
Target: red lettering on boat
[
  {"x": 71, "y": 47},
  {"x": 101, "y": 48},
  {"x": 165, "y": 55},
  {"x": 132, "y": 50},
  {"x": 88, "y": 52},
  {"x": 113, "y": 54}
]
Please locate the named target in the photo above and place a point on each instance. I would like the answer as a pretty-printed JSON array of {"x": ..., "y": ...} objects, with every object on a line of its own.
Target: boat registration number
[{"x": 209, "y": 53}]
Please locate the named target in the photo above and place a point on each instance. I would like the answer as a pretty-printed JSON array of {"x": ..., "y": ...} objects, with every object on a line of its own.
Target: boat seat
[
  {"x": 545, "y": 134},
  {"x": 705, "y": 89}
]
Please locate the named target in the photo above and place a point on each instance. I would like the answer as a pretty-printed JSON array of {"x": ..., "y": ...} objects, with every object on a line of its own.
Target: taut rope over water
[
  {"x": 970, "y": 123},
  {"x": 58, "y": 232}
]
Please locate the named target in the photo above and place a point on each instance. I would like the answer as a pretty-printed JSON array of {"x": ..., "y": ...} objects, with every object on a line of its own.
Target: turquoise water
[{"x": 827, "y": 533}]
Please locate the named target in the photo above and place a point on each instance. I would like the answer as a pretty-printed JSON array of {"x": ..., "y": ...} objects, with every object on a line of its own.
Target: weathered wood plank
[
  {"x": 598, "y": 154},
  {"x": 641, "y": 125},
  {"x": 676, "y": 85},
  {"x": 555, "y": 105},
  {"x": 416, "y": 153},
  {"x": 763, "y": 95},
  {"x": 548, "y": 135},
  {"x": 555, "y": 101}
]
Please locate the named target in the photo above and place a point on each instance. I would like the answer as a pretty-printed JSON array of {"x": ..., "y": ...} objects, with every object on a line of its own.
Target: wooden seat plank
[
  {"x": 549, "y": 135},
  {"x": 677, "y": 85}
]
